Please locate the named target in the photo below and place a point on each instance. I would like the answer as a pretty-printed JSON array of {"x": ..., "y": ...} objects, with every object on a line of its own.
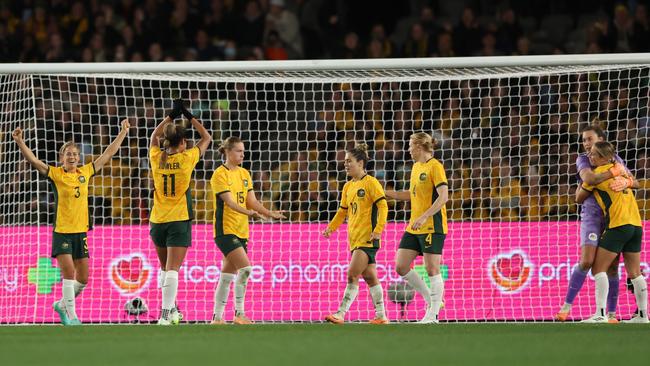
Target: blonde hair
[
  {"x": 424, "y": 140},
  {"x": 173, "y": 135},
  {"x": 228, "y": 144},
  {"x": 67, "y": 145},
  {"x": 605, "y": 149},
  {"x": 360, "y": 153}
]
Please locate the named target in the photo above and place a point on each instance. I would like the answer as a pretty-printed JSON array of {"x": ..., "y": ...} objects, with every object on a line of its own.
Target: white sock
[
  {"x": 602, "y": 288},
  {"x": 68, "y": 299},
  {"x": 169, "y": 290},
  {"x": 240, "y": 288},
  {"x": 641, "y": 294},
  {"x": 351, "y": 292},
  {"x": 161, "y": 279},
  {"x": 78, "y": 288},
  {"x": 377, "y": 294},
  {"x": 437, "y": 288},
  {"x": 415, "y": 281},
  {"x": 221, "y": 294}
]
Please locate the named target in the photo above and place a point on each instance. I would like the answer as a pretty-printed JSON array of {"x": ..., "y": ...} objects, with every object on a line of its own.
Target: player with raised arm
[
  {"x": 363, "y": 202},
  {"x": 623, "y": 233},
  {"x": 72, "y": 219},
  {"x": 427, "y": 229},
  {"x": 234, "y": 203},
  {"x": 171, "y": 215},
  {"x": 592, "y": 223}
]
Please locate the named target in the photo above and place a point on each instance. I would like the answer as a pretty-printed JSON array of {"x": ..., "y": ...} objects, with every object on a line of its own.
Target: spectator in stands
[
  {"x": 419, "y": 43},
  {"x": 286, "y": 25},
  {"x": 445, "y": 46},
  {"x": 467, "y": 34},
  {"x": 641, "y": 29},
  {"x": 380, "y": 45},
  {"x": 351, "y": 47},
  {"x": 250, "y": 30},
  {"x": 508, "y": 31}
]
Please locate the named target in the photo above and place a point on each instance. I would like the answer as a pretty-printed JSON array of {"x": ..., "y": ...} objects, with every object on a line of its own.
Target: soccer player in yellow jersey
[
  {"x": 234, "y": 203},
  {"x": 72, "y": 220},
  {"x": 427, "y": 229},
  {"x": 622, "y": 234},
  {"x": 171, "y": 215},
  {"x": 363, "y": 202}
]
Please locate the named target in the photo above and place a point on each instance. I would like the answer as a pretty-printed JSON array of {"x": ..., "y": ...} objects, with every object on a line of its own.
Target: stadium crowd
[{"x": 509, "y": 145}]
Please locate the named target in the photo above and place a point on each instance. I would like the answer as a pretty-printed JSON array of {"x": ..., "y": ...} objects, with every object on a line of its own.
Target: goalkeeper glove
[
  {"x": 621, "y": 183},
  {"x": 177, "y": 109},
  {"x": 187, "y": 114}
]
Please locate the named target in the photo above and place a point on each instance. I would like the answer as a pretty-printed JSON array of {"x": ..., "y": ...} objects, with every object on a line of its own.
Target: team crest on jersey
[
  {"x": 423, "y": 177},
  {"x": 82, "y": 179},
  {"x": 245, "y": 182},
  {"x": 361, "y": 193}
]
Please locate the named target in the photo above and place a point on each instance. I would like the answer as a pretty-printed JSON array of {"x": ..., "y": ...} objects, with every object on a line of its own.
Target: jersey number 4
[{"x": 172, "y": 186}]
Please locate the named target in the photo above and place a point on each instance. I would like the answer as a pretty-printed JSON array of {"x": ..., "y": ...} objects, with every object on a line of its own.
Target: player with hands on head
[{"x": 172, "y": 164}]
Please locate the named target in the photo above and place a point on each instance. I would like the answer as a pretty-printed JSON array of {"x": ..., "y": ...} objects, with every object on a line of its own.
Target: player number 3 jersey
[{"x": 71, "y": 198}]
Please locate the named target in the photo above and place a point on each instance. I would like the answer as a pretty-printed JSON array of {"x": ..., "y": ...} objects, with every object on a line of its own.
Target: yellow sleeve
[
  {"x": 195, "y": 154},
  {"x": 250, "y": 181},
  {"x": 154, "y": 156},
  {"x": 342, "y": 212},
  {"x": 88, "y": 169},
  {"x": 53, "y": 173},
  {"x": 587, "y": 187},
  {"x": 219, "y": 182},
  {"x": 379, "y": 198},
  {"x": 438, "y": 175}
]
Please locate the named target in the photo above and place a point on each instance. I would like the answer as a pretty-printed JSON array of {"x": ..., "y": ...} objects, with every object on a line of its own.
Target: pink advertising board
[{"x": 494, "y": 272}]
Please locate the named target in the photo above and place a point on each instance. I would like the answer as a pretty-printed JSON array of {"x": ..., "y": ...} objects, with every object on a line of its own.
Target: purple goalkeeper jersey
[{"x": 590, "y": 209}]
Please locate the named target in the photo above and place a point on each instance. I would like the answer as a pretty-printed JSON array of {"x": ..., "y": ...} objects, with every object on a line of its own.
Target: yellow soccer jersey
[
  {"x": 620, "y": 208},
  {"x": 425, "y": 179},
  {"x": 71, "y": 198},
  {"x": 238, "y": 182},
  {"x": 364, "y": 201},
  {"x": 172, "y": 199}
]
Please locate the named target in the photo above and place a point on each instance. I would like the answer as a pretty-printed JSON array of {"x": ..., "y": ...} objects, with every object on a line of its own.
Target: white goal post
[{"x": 508, "y": 132}]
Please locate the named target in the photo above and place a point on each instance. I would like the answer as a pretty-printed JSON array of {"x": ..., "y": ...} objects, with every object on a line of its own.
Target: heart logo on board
[
  {"x": 510, "y": 272},
  {"x": 130, "y": 274}
]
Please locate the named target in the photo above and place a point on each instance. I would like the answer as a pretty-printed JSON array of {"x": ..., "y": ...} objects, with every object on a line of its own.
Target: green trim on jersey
[{"x": 218, "y": 215}]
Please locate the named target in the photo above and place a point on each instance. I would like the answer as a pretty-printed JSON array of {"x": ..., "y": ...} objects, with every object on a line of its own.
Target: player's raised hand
[
  {"x": 125, "y": 125},
  {"x": 17, "y": 134},
  {"x": 177, "y": 109}
]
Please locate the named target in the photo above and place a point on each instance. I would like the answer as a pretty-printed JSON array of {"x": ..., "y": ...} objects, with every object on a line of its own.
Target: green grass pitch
[{"x": 326, "y": 344}]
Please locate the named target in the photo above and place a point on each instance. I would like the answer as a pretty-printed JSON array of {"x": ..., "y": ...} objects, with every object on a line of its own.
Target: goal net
[{"x": 508, "y": 136}]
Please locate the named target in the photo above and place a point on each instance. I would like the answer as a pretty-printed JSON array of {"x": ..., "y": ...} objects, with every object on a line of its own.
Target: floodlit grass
[{"x": 326, "y": 344}]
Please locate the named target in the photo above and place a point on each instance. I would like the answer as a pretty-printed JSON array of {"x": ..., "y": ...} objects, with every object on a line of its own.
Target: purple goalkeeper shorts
[{"x": 590, "y": 231}]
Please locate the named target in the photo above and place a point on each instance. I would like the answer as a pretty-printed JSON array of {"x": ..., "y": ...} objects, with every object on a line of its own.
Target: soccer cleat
[
  {"x": 637, "y": 320},
  {"x": 163, "y": 321},
  {"x": 217, "y": 322},
  {"x": 429, "y": 318},
  {"x": 241, "y": 319},
  {"x": 561, "y": 316},
  {"x": 381, "y": 320},
  {"x": 334, "y": 319},
  {"x": 74, "y": 322},
  {"x": 596, "y": 319},
  {"x": 611, "y": 319},
  {"x": 175, "y": 317},
  {"x": 62, "y": 315}
]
